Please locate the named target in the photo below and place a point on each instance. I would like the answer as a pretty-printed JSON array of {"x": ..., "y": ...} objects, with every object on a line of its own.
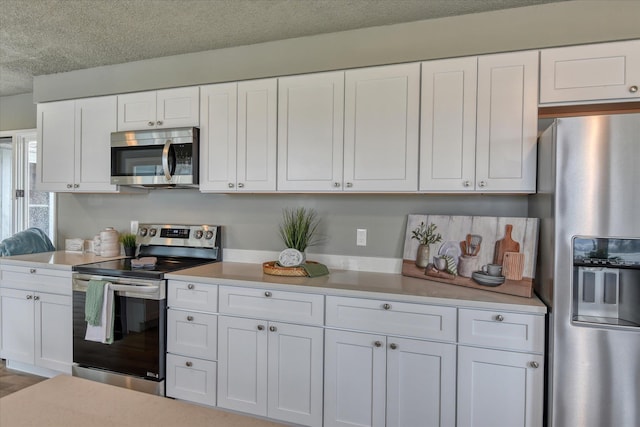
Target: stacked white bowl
[{"x": 109, "y": 242}]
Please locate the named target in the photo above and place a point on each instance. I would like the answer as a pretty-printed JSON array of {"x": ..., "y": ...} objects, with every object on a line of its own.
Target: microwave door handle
[{"x": 165, "y": 160}]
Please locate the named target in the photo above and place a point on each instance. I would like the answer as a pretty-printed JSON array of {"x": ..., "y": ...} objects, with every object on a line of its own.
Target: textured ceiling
[{"x": 40, "y": 37}]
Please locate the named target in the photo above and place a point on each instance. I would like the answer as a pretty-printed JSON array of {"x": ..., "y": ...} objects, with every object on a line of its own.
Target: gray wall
[{"x": 17, "y": 112}]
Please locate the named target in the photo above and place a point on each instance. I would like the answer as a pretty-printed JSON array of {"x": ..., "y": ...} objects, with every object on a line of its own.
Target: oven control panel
[{"x": 195, "y": 236}]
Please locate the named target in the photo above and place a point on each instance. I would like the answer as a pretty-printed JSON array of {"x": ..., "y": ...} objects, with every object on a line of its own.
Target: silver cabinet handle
[
  {"x": 377, "y": 344},
  {"x": 466, "y": 183},
  {"x": 267, "y": 294},
  {"x": 534, "y": 364},
  {"x": 499, "y": 318},
  {"x": 159, "y": 122},
  {"x": 69, "y": 186},
  {"x": 273, "y": 328},
  {"x": 76, "y": 185},
  {"x": 33, "y": 271},
  {"x": 190, "y": 286},
  {"x": 190, "y": 318},
  {"x": 349, "y": 184},
  {"x": 261, "y": 327},
  {"x": 393, "y": 346},
  {"x": 189, "y": 364},
  {"x": 336, "y": 184},
  {"x": 240, "y": 185},
  {"x": 150, "y": 123},
  {"x": 29, "y": 296},
  {"x": 36, "y": 298},
  {"x": 231, "y": 185},
  {"x": 482, "y": 184},
  {"x": 386, "y": 306},
  {"x": 633, "y": 89}
]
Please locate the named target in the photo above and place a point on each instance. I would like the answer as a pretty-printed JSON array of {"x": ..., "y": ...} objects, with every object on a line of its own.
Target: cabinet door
[
  {"x": 192, "y": 333},
  {"x": 242, "y": 365},
  {"x": 191, "y": 379},
  {"x": 381, "y": 128},
  {"x": 137, "y": 111},
  {"x": 53, "y": 332},
  {"x": 310, "y": 132},
  {"x": 421, "y": 383},
  {"x": 295, "y": 373},
  {"x": 17, "y": 325},
  {"x": 499, "y": 388},
  {"x": 218, "y": 123},
  {"x": 257, "y": 123},
  {"x": 507, "y": 122},
  {"x": 448, "y": 125},
  {"x": 56, "y": 146},
  {"x": 598, "y": 72},
  {"x": 95, "y": 120},
  {"x": 355, "y": 372},
  {"x": 178, "y": 107}
]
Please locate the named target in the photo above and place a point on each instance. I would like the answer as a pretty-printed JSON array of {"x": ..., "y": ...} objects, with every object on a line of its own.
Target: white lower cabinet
[
  {"x": 272, "y": 369},
  {"x": 375, "y": 380}
]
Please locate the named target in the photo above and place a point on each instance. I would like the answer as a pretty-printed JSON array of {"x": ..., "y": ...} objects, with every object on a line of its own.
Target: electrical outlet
[
  {"x": 134, "y": 227},
  {"x": 361, "y": 237}
]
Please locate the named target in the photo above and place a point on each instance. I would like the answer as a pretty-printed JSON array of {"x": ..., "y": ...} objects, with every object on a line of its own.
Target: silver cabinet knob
[
  {"x": 466, "y": 183},
  {"x": 377, "y": 344},
  {"x": 534, "y": 364},
  {"x": 633, "y": 89},
  {"x": 261, "y": 327},
  {"x": 33, "y": 271},
  {"x": 36, "y": 298},
  {"x": 499, "y": 318},
  {"x": 336, "y": 184},
  {"x": 190, "y": 318},
  {"x": 273, "y": 328},
  {"x": 393, "y": 346},
  {"x": 69, "y": 186},
  {"x": 231, "y": 185},
  {"x": 150, "y": 123},
  {"x": 349, "y": 184},
  {"x": 267, "y": 294},
  {"x": 482, "y": 184},
  {"x": 190, "y": 286},
  {"x": 159, "y": 122},
  {"x": 189, "y": 364},
  {"x": 29, "y": 296},
  {"x": 386, "y": 306},
  {"x": 76, "y": 185},
  {"x": 240, "y": 185}
]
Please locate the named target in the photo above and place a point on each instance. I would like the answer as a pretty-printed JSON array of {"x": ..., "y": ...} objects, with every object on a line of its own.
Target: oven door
[{"x": 138, "y": 347}]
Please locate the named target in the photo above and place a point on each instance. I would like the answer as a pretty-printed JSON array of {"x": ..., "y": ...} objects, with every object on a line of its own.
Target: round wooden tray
[{"x": 271, "y": 267}]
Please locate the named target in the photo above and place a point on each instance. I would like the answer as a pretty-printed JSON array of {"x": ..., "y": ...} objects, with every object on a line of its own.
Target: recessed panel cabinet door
[
  {"x": 310, "y": 132},
  {"x": 53, "y": 332},
  {"x": 56, "y": 146},
  {"x": 137, "y": 111},
  {"x": 448, "y": 125},
  {"x": 17, "y": 338},
  {"x": 178, "y": 107},
  {"x": 381, "y": 128}
]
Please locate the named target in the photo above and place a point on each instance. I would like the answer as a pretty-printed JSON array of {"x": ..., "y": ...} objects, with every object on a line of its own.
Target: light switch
[{"x": 361, "y": 237}]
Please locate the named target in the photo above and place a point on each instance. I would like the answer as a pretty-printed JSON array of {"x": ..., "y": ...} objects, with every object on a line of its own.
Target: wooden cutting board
[
  {"x": 513, "y": 265},
  {"x": 507, "y": 244}
]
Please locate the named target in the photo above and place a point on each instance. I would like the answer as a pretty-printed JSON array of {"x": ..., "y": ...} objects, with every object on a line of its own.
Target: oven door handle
[{"x": 134, "y": 288}]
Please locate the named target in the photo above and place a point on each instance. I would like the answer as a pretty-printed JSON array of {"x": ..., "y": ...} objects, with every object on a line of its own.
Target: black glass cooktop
[{"x": 122, "y": 267}]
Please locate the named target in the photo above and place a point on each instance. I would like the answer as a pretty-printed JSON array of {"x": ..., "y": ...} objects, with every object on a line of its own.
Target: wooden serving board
[
  {"x": 506, "y": 244},
  {"x": 513, "y": 265}
]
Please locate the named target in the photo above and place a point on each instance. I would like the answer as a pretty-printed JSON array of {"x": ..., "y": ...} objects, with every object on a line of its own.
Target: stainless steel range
[{"x": 136, "y": 357}]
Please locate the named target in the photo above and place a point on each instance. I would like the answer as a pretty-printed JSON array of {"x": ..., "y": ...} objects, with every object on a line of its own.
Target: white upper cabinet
[
  {"x": 238, "y": 136},
  {"x": 159, "y": 109},
  {"x": 507, "y": 122},
  {"x": 310, "y": 132},
  {"x": 381, "y": 128},
  {"x": 595, "y": 73},
  {"x": 74, "y": 145},
  {"x": 448, "y": 125}
]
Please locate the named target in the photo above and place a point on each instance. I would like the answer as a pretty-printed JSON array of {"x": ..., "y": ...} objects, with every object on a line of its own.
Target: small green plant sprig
[
  {"x": 128, "y": 240},
  {"x": 426, "y": 235},
  {"x": 299, "y": 228}
]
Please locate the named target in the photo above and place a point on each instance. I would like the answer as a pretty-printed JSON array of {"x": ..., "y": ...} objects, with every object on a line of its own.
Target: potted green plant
[
  {"x": 128, "y": 241},
  {"x": 425, "y": 235},
  {"x": 298, "y": 231}
]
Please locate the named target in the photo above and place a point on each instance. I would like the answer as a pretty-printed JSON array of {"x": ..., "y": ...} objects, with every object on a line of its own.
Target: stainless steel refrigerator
[{"x": 588, "y": 274}]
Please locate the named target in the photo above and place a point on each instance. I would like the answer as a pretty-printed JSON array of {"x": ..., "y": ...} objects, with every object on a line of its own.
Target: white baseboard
[{"x": 341, "y": 262}]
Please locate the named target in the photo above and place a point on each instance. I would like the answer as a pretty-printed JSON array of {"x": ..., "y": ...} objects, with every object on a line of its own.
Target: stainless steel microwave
[{"x": 155, "y": 158}]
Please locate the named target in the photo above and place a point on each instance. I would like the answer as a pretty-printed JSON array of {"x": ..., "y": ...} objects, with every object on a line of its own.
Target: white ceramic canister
[{"x": 109, "y": 243}]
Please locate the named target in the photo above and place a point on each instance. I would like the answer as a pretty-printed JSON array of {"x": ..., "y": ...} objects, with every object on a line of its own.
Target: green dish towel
[
  {"x": 93, "y": 302},
  {"x": 315, "y": 269}
]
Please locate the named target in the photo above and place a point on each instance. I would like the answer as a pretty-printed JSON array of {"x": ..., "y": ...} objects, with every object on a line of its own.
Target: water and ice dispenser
[{"x": 606, "y": 281}]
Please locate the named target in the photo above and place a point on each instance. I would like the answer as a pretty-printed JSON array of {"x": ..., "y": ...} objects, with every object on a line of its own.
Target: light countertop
[
  {"x": 58, "y": 260},
  {"x": 359, "y": 284}
]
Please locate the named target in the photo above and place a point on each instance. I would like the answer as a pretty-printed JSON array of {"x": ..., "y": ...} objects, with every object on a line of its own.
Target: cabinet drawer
[
  {"x": 272, "y": 305},
  {"x": 192, "y": 296},
  {"x": 192, "y": 334},
  {"x": 191, "y": 379},
  {"x": 497, "y": 329},
  {"x": 394, "y": 318},
  {"x": 36, "y": 278}
]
